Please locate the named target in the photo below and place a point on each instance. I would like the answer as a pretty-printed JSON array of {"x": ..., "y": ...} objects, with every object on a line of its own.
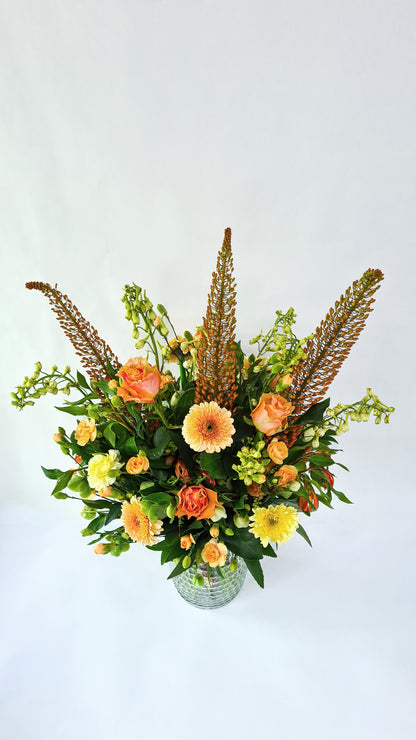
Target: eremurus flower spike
[
  {"x": 331, "y": 344},
  {"x": 92, "y": 350},
  {"x": 216, "y": 358}
]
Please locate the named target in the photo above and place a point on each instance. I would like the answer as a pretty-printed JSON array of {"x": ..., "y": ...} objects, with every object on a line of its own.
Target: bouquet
[{"x": 194, "y": 448}]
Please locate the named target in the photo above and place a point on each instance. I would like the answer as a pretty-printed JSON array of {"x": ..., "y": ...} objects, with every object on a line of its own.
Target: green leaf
[
  {"x": 72, "y": 409},
  {"x": 78, "y": 484},
  {"x": 62, "y": 481},
  {"x": 156, "y": 512},
  {"x": 160, "y": 498},
  {"x": 97, "y": 523},
  {"x": 110, "y": 369},
  {"x": 213, "y": 464},
  {"x": 177, "y": 571},
  {"x": 321, "y": 460},
  {"x": 256, "y": 571},
  {"x": 129, "y": 447},
  {"x": 114, "y": 513},
  {"x": 342, "y": 496},
  {"x": 109, "y": 435},
  {"x": 98, "y": 504},
  {"x": 82, "y": 381},
  {"x": 184, "y": 403},
  {"x": 52, "y": 473},
  {"x": 269, "y": 551},
  {"x": 245, "y": 545},
  {"x": 315, "y": 413},
  {"x": 161, "y": 437},
  {"x": 303, "y": 534}
]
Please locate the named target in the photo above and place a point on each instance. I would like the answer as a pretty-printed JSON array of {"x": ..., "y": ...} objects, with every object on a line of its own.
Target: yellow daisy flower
[{"x": 274, "y": 523}]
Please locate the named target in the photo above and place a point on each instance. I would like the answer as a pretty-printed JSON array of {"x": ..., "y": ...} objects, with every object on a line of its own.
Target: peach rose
[
  {"x": 187, "y": 541},
  {"x": 286, "y": 380},
  {"x": 100, "y": 549},
  {"x": 57, "y": 437},
  {"x": 287, "y": 474},
  {"x": 140, "y": 381},
  {"x": 277, "y": 451},
  {"x": 197, "y": 501},
  {"x": 214, "y": 553},
  {"x": 270, "y": 413},
  {"x": 85, "y": 431},
  {"x": 137, "y": 464},
  {"x": 254, "y": 489},
  {"x": 112, "y": 384}
]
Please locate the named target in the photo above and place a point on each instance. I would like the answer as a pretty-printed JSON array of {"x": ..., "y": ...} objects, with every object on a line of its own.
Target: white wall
[{"x": 131, "y": 135}]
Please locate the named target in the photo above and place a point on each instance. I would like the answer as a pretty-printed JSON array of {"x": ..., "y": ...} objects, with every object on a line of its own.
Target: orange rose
[
  {"x": 254, "y": 490},
  {"x": 137, "y": 464},
  {"x": 187, "y": 541},
  {"x": 270, "y": 413},
  {"x": 287, "y": 474},
  {"x": 197, "y": 501},
  {"x": 85, "y": 431},
  {"x": 140, "y": 381},
  {"x": 214, "y": 553},
  {"x": 277, "y": 451}
]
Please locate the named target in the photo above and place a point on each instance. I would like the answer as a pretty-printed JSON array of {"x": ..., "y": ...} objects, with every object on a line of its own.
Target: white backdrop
[{"x": 131, "y": 135}]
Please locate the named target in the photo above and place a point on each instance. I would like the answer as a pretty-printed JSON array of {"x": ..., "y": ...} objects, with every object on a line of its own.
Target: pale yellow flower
[{"x": 103, "y": 469}]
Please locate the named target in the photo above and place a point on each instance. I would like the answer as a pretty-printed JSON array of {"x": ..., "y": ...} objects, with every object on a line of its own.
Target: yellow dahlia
[
  {"x": 137, "y": 525},
  {"x": 103, "y": 470},
  {"x": 208, "y": 427},
  {"x": 274, "y": 523}
]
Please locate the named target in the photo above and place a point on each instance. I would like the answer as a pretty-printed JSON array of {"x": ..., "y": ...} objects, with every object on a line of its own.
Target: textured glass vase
[{"x": 215, "y": 591}]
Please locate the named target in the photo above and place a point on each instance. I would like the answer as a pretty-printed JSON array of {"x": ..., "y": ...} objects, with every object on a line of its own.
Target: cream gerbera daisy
[
  {"x": 274, "y": 523},
  {"x": 137, "y": 525},
  {"x": 208, "y": 427}
]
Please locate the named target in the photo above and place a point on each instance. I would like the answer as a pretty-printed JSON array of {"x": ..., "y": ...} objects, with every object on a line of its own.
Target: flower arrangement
[{"x": 222, "y": 456}]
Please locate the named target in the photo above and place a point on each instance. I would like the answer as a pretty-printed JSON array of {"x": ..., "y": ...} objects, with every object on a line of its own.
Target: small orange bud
[
  {"x": 214, "y": 532},
  {"x": 57, "y": 437},
  {"x": 78, "y": 459},
  {"x": 100, "y": 549},
  {"x": 105, "y": 492},
  {"x": 187, "y": 541},
  {"x": 112, "y": 384}
]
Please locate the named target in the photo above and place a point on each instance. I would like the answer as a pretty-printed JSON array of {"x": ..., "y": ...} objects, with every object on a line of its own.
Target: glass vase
[{"x": 214, "y": 591}]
